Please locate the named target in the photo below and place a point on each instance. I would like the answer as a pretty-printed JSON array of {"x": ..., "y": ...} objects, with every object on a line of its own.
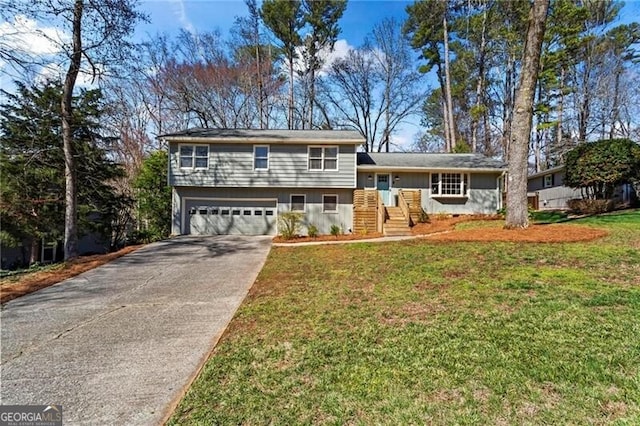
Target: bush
[
  {"x": 289, "y": 224},
  {"x": 423, "y": 217},
  {"x": 312, "y": 230},
  {"x": 587, "y": 206},
  {"x": 335, "y": 230}
]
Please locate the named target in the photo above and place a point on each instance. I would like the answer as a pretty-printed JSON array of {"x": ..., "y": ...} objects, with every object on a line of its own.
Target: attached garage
[{"x": 231, "y": 216}]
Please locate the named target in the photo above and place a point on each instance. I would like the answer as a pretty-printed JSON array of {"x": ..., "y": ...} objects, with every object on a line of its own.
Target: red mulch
[{"x": 14, "y": 287}]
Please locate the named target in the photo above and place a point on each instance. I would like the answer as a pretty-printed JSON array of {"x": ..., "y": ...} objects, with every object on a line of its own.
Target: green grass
[
  {"x": 551, "y": 216},
  {"x": 423, "y": 332}
]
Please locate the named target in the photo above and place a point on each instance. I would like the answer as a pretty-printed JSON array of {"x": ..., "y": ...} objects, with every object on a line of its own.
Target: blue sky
[{"x": 206, "y": 15}]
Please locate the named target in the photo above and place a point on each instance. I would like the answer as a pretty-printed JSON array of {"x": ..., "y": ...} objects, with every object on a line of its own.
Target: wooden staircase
[
  {"x": 396, "y": 224},
  {"x": 371, "y": 215}
]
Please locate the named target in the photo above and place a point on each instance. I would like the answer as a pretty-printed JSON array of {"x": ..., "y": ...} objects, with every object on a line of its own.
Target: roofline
[
  {"x": 371, "y": 168},
  {"x": 546, "y": 172},
  {"x": 255, "y": 139}
]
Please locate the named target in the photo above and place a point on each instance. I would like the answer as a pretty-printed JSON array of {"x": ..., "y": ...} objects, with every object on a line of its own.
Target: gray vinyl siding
[
  {"x": 313, "y": 213},
  {"x": 231, "y": 165},
  {"x": 556, "y": 198},
  {"x": 484, "y": 195},
  {"x": 537, "y": 183}
]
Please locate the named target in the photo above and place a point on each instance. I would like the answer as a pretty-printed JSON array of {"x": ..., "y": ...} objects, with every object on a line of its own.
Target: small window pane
[
  {"x": 186, "y": 151},
  {"x": 186, "y": 162},
  {"x": 258, "y": 213},
  {"x": 202, "y": 163},
  {"x": 215, "y": 211},
  {"x": 262, "y": 151},
  {"x": 268, "y": 212},
  {"x": 261, "y": 163},
  {"x": 236, "y": 212},
  {"x": 202, "y": 151},
  {"x": 435, "y": 187},
  {"x": 330, "y": 164},
  {"x": 315, "y": 152},
  {"x": 297, "y": 203},
  {"x": 315, "y": 164},
  {"x": 224, "y": 212},
  {"x": 247, "y": 213},
  {"x": 192, "y": 210},
  {"x": 202, "y": 211},
  {"x": 331, "y": 152},
  {"x": 330, "y": 203}
]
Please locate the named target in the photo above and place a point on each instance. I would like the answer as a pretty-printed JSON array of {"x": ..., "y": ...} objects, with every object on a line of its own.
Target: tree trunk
[
  {"x": 449, "y": 102},
  {"x": 290, "y": 114},
  {"x": 71, "y": 190},
  {"x": 517, "y": 212},
  {"x": 475, "y": 119},
  {"x": 559, "y": 135},
  {"x": 507, "y": 106},
  {"x": 312, "y": 93}
]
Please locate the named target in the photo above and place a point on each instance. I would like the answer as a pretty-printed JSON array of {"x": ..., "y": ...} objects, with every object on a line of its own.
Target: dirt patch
[
  {"x": 533, "y": 234},
  {"x": 14, "y": 287}
]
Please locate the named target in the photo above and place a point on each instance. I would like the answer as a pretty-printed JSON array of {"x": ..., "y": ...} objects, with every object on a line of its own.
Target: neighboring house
[
  {"x": 240, "y": 181},
  {"x": 547, "y": 191}
]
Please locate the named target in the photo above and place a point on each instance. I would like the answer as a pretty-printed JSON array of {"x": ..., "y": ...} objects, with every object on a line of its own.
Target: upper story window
[
  {"x": 194, "y": 156},
  {"x": 449, "y": 184},
  {"x": 547, "y": 181},
  {"x": 261, "y": 157},
  {"x": 323, "y": 158}
]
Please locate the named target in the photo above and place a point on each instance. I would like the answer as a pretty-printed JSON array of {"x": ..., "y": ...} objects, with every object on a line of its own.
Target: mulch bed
[
  {"x": 534, "y": 234},
  {"x": 16, "y": 286}
]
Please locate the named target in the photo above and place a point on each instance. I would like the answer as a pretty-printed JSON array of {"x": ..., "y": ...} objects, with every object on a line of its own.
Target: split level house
[{"x": 241, "y": 181}]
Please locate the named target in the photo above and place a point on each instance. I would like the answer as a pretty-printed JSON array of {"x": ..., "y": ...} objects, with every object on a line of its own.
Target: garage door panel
[{"x": 222, "y": 217}]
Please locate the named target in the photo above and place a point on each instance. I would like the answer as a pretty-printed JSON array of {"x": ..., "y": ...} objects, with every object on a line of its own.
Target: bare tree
[
  {"x": 98, "y": 32},
  {"x": 517, "y": 212}
]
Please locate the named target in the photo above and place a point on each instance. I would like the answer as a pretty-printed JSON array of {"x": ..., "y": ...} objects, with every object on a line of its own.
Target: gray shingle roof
[
  {"x": 405, "y": 160},
  {"x": 271, "y": 135}
]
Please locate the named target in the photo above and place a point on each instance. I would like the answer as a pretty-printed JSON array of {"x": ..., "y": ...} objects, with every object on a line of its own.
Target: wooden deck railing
[
  {"x": 382, "y": 215},
  {"x": 404, "y": 206}
]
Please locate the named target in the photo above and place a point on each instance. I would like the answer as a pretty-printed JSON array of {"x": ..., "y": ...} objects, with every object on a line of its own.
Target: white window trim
[
  {"x": 322, "y": 158},
  {"x": 544, "y": 181},
  {"x": 304, "y": 196},
  {"x": 193, "y": 156},
  {"x": 268, "y": 155},
  {"x": 337, "y": 204},
  {"x": 439, "y": 194}
]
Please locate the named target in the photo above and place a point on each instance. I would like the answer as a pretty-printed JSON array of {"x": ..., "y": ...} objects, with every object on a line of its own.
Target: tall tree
[
  {"x": 285, "y": 19},
  {"x": 32, "y": 163},
  {"x": 98, "y": 32},
  {"x": 517, "y": 212},
  {"x": 321, "y": 17},
  {"x": 428, "y": 29}
]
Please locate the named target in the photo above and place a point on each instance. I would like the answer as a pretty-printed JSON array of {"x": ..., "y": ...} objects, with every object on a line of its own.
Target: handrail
[
  {"x": 381, "y": 213},
  {"x": 404, "y": 206}
]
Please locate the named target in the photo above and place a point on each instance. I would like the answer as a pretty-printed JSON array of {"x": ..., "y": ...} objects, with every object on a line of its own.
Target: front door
[{"x": 383, "y": 187}]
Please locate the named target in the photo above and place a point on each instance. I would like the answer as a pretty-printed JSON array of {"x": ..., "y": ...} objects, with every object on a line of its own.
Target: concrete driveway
[{"x": 119, "y": 344}]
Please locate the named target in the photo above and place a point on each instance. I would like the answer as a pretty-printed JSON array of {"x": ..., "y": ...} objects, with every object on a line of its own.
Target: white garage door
[{"x": 224, "y": 217}]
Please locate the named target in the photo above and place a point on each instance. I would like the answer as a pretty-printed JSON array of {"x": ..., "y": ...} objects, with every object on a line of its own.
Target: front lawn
[{"x": 431, "y": 332}]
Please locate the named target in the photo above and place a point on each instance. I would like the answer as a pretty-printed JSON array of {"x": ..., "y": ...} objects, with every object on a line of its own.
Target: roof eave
[
  {"x": 254, "y": 140},
  {"x": 373, "y": 168}
]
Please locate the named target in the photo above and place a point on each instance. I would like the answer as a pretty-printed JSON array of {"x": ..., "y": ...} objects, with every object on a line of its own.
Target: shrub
[
  {"x": 423, "y": 217},
  {"x": 335, "y": 230},
  {"x": 587, "y": 206},
  {"x": 312, "y": 230},
  {"x": 289, "y": 224}
]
